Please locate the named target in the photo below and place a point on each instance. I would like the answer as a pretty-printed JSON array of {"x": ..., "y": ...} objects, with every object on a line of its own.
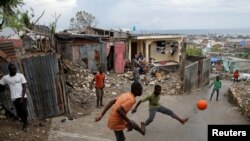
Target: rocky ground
[
  {"x": 11, "y": 130},
  {"x": 239, "y": 94}
]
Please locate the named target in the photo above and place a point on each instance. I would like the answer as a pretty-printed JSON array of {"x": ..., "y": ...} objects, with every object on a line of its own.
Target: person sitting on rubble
[
  {"x": 141, "y": 60},
  {"x": 141, "y": 57},
  {"x": 135, "y": 59}
]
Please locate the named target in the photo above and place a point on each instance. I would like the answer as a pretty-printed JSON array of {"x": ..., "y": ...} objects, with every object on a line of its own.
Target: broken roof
[{"x": 69, "y": 37}]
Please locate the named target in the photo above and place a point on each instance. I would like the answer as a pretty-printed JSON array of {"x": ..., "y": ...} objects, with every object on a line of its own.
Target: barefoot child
[
  {"x": 118, "y": 119},
  {"x": 154, "y": 107}
]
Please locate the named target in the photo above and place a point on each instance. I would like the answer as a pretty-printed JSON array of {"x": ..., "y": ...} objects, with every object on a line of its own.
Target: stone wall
[{"x": 239, "y": 95}]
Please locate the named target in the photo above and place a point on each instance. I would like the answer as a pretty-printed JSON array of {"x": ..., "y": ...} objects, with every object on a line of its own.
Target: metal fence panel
[
  {"x": 190, "y": 77},
  {"x": 41, "y": 74},
  {"x": 206, "y": 71}
]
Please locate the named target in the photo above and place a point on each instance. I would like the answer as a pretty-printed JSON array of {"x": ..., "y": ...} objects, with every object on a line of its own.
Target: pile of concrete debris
[
  {"x": 79, "y": 79},
  {"x": 239, "y": 95},
  {"x": 2, "y": 112},
  {"x": 171, "y": 84}
]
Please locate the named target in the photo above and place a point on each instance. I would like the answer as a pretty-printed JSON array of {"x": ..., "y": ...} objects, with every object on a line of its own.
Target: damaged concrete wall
[
  {"x": 85, "y": 53},
  {"x": 64, "y": 48}
]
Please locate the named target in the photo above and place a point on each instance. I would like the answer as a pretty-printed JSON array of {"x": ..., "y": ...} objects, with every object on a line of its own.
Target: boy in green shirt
[
  {"x": 217, "y": 86},
  {"x": 154, "y": 106}
]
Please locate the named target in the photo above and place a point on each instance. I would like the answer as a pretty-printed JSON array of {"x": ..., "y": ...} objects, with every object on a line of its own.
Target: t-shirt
[
  {"x": 99, "y": 78},
  {"x": 153, "y": 100},
  {"x": 15, "y": 84},
  {"x": 115, "y": 121},
  {"x": 236, "y": 74},
  {"x": 217, "y": 84}
]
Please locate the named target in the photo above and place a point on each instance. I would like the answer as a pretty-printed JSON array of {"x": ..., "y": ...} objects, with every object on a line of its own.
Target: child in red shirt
[
  {"x": 99, "y": 85},
  {"x": 236, "y": 75}
]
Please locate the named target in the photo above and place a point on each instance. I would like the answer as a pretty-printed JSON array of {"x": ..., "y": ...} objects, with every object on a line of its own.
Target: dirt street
[{"x": 163, "y": 127}]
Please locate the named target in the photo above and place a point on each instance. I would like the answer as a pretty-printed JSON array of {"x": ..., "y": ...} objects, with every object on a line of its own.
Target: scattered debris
[{"x": 239, "y": 94}]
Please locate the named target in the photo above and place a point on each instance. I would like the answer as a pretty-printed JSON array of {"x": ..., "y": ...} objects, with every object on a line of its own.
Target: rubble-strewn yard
[
  {"x": 78, "y": 81},
  {"x": 239, "y": 94}
]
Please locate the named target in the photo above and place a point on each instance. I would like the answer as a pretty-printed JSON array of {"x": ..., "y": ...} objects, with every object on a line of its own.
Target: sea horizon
[{"x": 225, "y": 31}]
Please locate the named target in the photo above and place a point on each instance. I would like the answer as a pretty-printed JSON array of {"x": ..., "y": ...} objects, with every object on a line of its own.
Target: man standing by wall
[{"x": 17, "y": 84}]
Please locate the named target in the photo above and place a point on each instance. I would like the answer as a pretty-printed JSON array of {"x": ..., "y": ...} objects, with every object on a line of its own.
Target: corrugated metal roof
[
  {"x": 8, "y": 49},
  {"x": 69, "y": 37}
]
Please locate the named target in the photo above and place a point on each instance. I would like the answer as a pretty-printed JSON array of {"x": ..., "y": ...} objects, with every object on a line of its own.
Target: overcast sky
[{"x": 149, "y": 14}]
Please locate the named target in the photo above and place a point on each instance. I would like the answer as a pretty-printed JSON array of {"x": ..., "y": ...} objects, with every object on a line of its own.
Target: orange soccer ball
[{"x": 202, "y": 104}]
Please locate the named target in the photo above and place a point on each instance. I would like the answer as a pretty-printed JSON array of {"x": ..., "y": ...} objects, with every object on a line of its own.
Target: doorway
[{"x": 110, "y": 59}]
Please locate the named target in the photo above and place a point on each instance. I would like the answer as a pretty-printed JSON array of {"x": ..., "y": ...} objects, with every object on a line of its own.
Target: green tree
[
  {"x": 193, "y": 50},
  {"x": 82, "y": 19},
  {"x": 7, "y": 8},
  {"x": 216, "y": 48}
]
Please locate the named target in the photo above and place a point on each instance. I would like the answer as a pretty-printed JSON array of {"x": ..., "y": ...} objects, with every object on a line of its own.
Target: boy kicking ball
[{"x": 154, "y": 106}]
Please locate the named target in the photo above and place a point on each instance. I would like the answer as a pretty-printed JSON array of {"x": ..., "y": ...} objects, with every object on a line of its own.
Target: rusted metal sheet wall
[
  {"x": 64, "y": 48},
  {"x": 190, "y": 77},
  {"x": 206, "y": 71},
  {"x": 75, "y": 54},
  {"x": 96, "y": 55},
  {"x": 8, "y": 49},
  {"x": 46, "y": 96},
  {"x": 42, "y": 76}
]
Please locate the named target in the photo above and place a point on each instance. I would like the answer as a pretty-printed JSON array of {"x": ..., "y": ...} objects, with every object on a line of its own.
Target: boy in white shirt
[{"x": 17, "y": 84}]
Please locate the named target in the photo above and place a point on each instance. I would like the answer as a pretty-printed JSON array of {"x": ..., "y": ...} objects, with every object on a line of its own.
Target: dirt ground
[{"x": 11, "y": 130}]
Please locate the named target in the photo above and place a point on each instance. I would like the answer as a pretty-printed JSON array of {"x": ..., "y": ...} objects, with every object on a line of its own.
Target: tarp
[
  {"x": 242, "y": 43},
  {"x": 215, "y": 59}
]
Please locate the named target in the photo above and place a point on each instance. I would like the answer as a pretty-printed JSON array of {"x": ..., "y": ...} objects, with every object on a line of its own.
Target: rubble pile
[
  {"x": 239, "y": 94},
  {"x": 2, "y": 112},
  {"x": 78, "y": 81},
  {"x": 171, "y": 84}
]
